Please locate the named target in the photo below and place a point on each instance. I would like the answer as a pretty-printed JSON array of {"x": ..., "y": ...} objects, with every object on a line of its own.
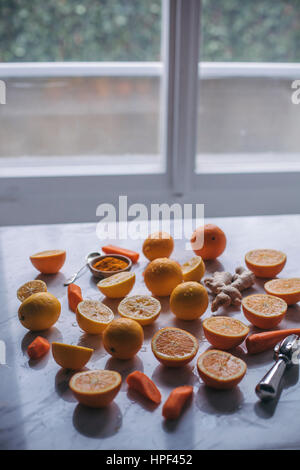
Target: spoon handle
[
  {"x": 268, "y": 387},
  {"x": 74, "y": 276}
]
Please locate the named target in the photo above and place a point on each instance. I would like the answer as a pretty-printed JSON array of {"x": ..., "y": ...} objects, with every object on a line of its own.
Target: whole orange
[
  {"x": 214, "y": 241},
  {"x": 162, "y": 275}
]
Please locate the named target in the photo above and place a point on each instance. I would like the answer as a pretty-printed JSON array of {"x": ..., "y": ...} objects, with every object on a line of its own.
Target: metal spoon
[{"x": 88, "y": 258}]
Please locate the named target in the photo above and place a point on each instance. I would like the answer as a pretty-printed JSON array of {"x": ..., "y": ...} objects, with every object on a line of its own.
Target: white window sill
[
  {"x": 213, "y": 163},
  {"x": 15, "y": 167}
]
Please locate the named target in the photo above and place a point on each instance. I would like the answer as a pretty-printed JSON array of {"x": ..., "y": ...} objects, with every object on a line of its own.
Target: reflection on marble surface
[{"x": 37, "y": 409}]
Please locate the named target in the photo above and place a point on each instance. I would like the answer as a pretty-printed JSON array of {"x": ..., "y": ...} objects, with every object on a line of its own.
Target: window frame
[{"x": 38, "y": 198}]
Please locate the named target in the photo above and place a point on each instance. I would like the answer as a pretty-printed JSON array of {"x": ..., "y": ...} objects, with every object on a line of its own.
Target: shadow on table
[
  {"x": 139, "y": 400},
  {"x": 53, "y": 334},
  {"x": 124, "y": 367},
  {"x": 219, "y": 402},
  {"x": 267, "y": 409},
  {"x": 62, "y": 388},
  {"x": 54, "y": 281},
  {"x": 97, "y": 423},
  {"x": 174, "y": 377}
]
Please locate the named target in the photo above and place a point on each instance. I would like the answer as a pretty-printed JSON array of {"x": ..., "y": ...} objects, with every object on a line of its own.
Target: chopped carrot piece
[
  {"x": 259, "y": 342},
  {"x": 38, "y": 348},
  {"x": 74, "y": 296},
  {"x": 117, "y": 250},
  {"x": 176, "y": 401},
  {"x": 142, "y": 384}
]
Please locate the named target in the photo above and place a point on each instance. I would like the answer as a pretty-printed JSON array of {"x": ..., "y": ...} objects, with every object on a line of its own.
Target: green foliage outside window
[{"x": 122, "y": 30}]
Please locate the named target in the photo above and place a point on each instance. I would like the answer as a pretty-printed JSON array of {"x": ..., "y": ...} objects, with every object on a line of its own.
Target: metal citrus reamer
[{"x": 285, "y": 353}]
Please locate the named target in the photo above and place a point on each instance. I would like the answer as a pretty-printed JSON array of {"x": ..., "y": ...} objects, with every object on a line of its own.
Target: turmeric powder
[{"x": 110, "y": 263}]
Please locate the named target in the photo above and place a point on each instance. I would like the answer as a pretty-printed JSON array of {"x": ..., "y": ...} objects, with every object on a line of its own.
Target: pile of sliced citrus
[{"x": 173, "y": 347}]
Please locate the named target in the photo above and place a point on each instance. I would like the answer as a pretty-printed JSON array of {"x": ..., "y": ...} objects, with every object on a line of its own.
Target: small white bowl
[{"x": 101, "y": 274}]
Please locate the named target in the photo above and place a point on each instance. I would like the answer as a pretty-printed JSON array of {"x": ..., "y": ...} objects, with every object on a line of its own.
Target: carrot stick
[
  {"x": 74, "y": 296},
  {"x": 176, "y": 401},
  {"x": 38, "y": 348},
  {"x": 259, "y": 342},
  {"x": 142, "y": 384},
  {"x": 117, "y": 250}
]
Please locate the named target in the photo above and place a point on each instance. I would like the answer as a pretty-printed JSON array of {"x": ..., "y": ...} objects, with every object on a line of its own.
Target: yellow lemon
[
  {"x": 69, "y": 356},
  {"x": 189, "y": 300},
  {"x": 96, "y": 388},
  {"x": 162, "y": 275},
  {"x": 158, "y": 245},
  {"x": 123, "y": 338},
  {"x": 31, "y": 287},
  {"x": 117, "y": 285},
  {"x": 194, "y": 269},
  {"x": 93, "y": 316},
  {"x": 142, "y": 308},
  {"x": 39, "y": 311}
]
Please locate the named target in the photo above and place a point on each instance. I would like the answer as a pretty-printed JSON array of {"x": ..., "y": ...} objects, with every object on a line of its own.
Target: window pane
[
  {"x": 111, "y": 112},
  {"x": 246, "y": 117}
]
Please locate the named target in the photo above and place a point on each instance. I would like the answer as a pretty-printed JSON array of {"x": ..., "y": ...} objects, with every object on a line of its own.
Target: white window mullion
[{"x": 183, "y": 32}]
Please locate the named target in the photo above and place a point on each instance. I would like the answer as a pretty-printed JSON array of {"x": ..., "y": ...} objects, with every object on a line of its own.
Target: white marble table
[{"x": 37, "y": 410}]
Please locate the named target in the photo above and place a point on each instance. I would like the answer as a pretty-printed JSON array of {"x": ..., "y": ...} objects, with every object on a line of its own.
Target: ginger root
[{"x": 227, "y": 288}]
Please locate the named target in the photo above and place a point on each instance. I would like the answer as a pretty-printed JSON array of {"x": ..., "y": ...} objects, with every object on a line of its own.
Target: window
[
  {"x": 83, "y": 84},
  {"x": 249, "y": 59},
  {"x": 111, "y": 98}
]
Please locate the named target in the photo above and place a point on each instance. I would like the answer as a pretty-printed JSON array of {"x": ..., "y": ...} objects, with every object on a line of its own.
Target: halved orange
[
  {"x": 224, "y": 332},
  {"x": 193, "y": 269},
  {"x": 264, "y": 311},
  {"x": 96, "y": 388},
  {"x": 286, "y": 289},
  {"x": 31, "y": 287},
  {"x": 70, "y": 356},
  {"x": 118, "y": 285},
  {"x": 174, "y": 347},
  {"x": 93, "y": 316},
  {"x": 265, "y": 263},
  {"x": 48, "y": 262},
  {"x": 220, "y": 369},
  {"x": 142, "y": 308}
]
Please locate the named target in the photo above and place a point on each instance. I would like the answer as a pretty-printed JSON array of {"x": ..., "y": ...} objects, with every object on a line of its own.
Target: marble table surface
[{"x": 37, "y": 409}]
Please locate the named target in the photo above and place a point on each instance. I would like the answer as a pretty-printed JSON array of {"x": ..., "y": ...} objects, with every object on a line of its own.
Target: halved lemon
[
  {"x": 265, "y": 262},
  {"x": 142, "y": 308},
  {"x": 118, "y": 285},
  {"x": 286, "y": 289},
  {"x": 174, "y": 347},
  {"x": 96, "y": 388},
  {"x": 194, "y": 269},
  {"x": 71, "y": 357},
  {"x": 48, "y": 262},
  {"x": 220, "y": 369},
  {"x": 224, "y": 332},
  {"x": 264, "y": 311},
  {"x": 93, "y": 316},
  {"x": 31, "y": 287}
]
